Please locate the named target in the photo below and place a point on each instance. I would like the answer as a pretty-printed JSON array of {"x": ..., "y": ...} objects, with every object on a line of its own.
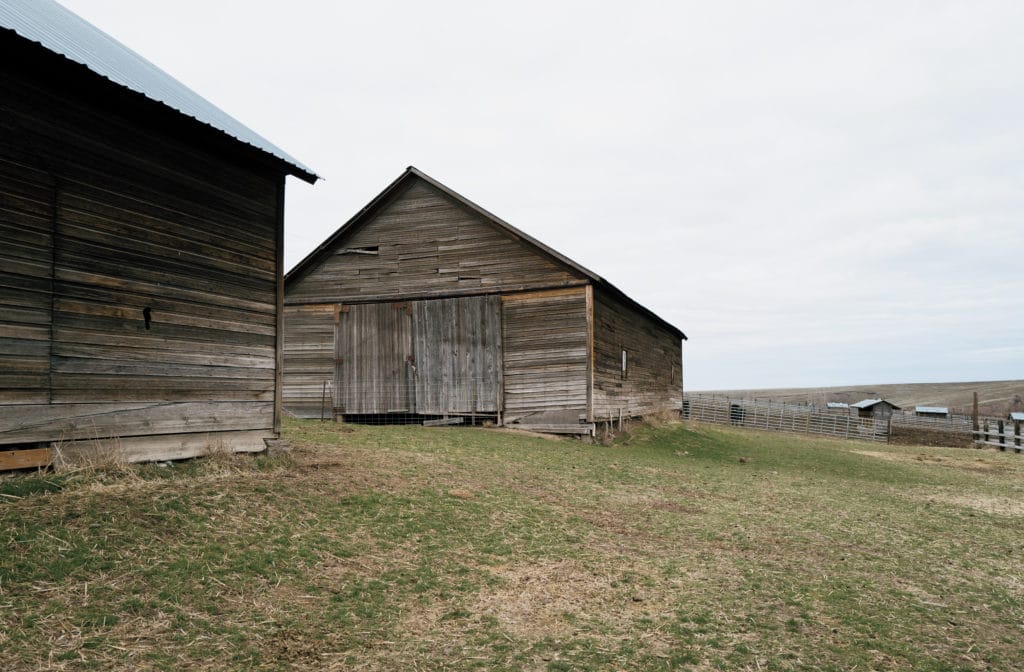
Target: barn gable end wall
[
  {"x": 424, "y": 245},
  {"x": 421, "y": 243}
]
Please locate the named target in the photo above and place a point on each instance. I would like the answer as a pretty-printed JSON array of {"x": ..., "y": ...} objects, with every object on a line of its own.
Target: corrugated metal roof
[
  {"x": 65, "y": 33},
  {"x": 866, "y": 403},
  {"x": 941, "y": 410},
  {"x": 836, "y": 404},
  {"x": 1016, "y": 416}
]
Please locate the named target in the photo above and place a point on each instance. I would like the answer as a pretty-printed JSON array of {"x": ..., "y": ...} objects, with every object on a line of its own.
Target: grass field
[{"x": 403, "y": 548}]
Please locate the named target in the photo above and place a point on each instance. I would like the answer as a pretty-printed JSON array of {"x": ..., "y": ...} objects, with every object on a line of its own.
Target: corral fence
[
  {"x": 954, "y": 422},
  {"x": 901, "y": 427},
  {"x": 956, "y": 429},
  {"x": 781, "y": 417},
  {"x": 1001, "y": 434}
]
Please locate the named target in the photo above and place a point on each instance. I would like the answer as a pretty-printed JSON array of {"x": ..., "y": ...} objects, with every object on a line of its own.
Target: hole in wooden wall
[{"x": 147, "y": 315}]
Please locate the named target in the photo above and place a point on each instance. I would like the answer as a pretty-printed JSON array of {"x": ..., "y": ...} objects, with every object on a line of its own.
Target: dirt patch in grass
[
  {"x": 1002, "y": 506},
  {"x": 970, "y": 461},
  {"x": 541, "y": 599}
]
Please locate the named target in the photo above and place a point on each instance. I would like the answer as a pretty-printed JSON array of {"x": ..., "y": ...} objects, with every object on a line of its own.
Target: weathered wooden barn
[
  {"x": 425, "y": 304},
  {"x": 141, "y": 277}
]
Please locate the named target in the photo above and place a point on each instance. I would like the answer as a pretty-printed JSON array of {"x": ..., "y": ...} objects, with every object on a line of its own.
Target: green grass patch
[{"x": 676, "y": 547}]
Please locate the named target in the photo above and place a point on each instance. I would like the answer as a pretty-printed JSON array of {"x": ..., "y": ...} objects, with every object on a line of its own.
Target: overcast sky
[{"x": 817, "y": 193}]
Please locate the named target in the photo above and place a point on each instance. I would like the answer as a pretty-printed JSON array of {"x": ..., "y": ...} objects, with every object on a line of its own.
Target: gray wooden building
[
  {"x": 425, "y": 304},
  {"x": 874, "y": 408},
  {"x": 141, "y": 269}
]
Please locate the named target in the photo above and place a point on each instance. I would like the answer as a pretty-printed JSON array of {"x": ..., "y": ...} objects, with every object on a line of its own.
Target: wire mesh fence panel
[
  {"x": 952, "y": 422},
  {"x": 411, "y": 400},
  {"x": 781, "y": 417}
]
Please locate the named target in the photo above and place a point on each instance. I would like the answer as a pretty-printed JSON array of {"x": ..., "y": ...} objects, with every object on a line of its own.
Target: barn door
[
  {"x": 457, "y": 349},
  {"x": 373, "y": 348}
]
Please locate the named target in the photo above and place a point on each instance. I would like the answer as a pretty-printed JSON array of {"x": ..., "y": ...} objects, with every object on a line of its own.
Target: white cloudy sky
[{"x": 817, "y": 193}]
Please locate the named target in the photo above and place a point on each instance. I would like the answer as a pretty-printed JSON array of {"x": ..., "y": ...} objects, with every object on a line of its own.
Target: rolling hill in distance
[{"x": 995, "y": 398}]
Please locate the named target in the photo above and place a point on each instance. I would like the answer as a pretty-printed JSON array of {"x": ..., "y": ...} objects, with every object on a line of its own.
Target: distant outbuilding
[
  {"x": 932, "y": 411},
  {"x": 1017, "y": 416},
  {"x": 874, "y": 408}
]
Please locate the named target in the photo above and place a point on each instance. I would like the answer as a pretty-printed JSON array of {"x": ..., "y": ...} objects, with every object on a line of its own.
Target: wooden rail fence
[{"x": 1002, "y": 434}]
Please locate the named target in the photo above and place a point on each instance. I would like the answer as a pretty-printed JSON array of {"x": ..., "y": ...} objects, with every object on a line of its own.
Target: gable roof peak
[{"x": 410, "y": 173}]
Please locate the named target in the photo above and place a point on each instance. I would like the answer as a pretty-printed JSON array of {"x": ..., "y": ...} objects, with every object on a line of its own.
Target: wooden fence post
[
  {"x": 1016, "y": 436},
  {"x": 1002, "y": 436}
]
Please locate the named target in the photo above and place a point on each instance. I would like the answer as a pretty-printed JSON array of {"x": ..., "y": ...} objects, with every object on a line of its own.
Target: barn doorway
[{"x": 432, "y": 358}]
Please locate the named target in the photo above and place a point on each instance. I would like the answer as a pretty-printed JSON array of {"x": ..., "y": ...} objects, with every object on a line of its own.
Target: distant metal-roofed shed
[
  {"x": 836, "y": 404},
  {"x": 932, "y": 411},
  {"x": 874, "y": 408},
  {"x": 1017, "y": 415},
  {"x": 63, "y": 32}
]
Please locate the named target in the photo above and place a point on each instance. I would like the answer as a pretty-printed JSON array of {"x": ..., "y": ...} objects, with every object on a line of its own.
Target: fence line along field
[
  {"x": 783, "y": 417},
  {"x": 996, "y": 398},
  {"x": 677, "y": 547},
  {"x": 900, "y": 427}
]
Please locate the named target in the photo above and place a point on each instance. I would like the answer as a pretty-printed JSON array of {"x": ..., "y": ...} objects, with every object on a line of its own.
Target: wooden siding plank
[
  {"x": 309, "y": 333},
  {"x": 653, "y": 378},
  {"x": 545, "y": 351},
  {"x": 27, "y": 205},
  {"x": 25, "y": 459},
  {"x": 33, "y": 423},
  {"x": 163, "y": 447},
  {"x": 428, "y": 247}
]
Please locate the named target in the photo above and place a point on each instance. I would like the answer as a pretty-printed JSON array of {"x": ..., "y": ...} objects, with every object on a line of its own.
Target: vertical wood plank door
[
  {"x": 457, "y": 355},
  {"x": 373, "y": 343}
]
